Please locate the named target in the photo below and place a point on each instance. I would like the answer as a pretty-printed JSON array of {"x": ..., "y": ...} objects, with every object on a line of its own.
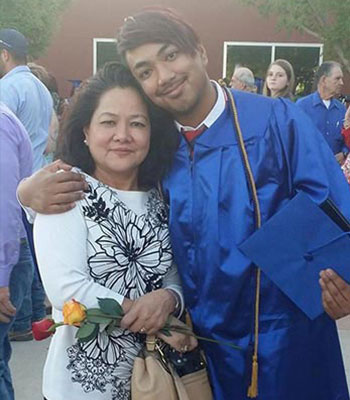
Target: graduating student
[{"x": 213, "y": 210}]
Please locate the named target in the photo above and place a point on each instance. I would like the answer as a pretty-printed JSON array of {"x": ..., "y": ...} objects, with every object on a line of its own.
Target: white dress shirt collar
[{"x": 214, "y": 113}]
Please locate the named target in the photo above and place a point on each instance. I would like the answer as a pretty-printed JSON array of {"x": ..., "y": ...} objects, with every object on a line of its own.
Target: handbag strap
[
  {"x": 253, "y": 388},
  {"x": 151, "y": 343}
]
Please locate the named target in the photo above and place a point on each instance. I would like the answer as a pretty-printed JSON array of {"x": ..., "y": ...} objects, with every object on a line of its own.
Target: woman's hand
[{"x": 149, "y": 313}]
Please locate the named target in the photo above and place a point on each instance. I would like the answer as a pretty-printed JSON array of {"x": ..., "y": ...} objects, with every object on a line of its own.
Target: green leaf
[
  {"x": 96, "y": 316},
  {"x": 87, "y": 332},
  {"x": 111, "y": 307}
]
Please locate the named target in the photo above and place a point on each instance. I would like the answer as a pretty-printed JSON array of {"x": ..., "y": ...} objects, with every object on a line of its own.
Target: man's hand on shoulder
[
  {"x": 6, "y": 308},
  {"x": 49, "y": 192},
  {"x": 335, "y": 294}
]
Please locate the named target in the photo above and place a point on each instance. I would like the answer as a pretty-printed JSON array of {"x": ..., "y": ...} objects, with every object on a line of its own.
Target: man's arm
[
  {"x": 314, "y": 171},
  {"x": 335, "y": 294},
  {"x": 49, "y": 192}
]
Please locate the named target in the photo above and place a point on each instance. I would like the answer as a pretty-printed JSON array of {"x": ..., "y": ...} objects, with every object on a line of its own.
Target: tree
[
  {"x": 36, "y": 19},
  {"x": 325, "y": 20}
]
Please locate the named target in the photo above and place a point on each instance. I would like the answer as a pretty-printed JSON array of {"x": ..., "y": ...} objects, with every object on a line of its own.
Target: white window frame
[
  {"x": 273, "y": 46},
  {"x": 94, "y": 56}
]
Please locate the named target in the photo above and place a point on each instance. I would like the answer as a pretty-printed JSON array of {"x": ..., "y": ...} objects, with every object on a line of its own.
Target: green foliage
[
  {"x": 111, "y": 307},
  {"x": 96, "y": 316},
  {"x": 327, "y": 21},
  {"x": 86, "y": 332},
  {"x": 38, "y": 20}
]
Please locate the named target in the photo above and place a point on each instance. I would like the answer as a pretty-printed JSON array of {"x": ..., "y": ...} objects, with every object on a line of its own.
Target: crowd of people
[{"x": 160, "y": 175}]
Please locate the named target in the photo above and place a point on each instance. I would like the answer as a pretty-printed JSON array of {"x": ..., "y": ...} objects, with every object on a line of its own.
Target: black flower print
[{"x": 130, "y": 254}]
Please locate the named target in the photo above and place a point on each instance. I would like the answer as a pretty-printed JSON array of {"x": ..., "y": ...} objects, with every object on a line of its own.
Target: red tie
[{"x": 191, "y": 136}]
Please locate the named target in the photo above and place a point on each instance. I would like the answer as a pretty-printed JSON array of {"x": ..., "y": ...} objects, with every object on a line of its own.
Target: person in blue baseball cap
[{"x": 15, "y": 43}]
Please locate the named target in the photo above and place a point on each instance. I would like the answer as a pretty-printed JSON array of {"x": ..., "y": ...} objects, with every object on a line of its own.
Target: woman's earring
[{"x": 85, "y": 142}]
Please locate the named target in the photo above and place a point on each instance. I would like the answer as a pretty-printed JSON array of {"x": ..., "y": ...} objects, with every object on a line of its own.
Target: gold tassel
[{"x": 253, "y": 388}]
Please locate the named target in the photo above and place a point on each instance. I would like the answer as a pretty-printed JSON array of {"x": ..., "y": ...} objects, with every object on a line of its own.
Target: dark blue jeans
[
  {"x": 33, "y": 306},
  {"x": 20, "y": 284}
]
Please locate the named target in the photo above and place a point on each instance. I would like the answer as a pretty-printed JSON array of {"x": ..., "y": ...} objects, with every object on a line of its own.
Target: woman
[
  {"x": 115, "y": 242},
  {"x": 279, "y": 81}
]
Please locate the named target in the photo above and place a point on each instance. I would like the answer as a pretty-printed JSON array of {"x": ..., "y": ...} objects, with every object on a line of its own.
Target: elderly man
[
  {"x": 243, "y": 79},
  {"x": 325, "y": 110}
]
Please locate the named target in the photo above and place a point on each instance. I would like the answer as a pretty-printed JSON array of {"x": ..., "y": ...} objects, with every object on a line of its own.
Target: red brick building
[{"x": 230, "y": 32}]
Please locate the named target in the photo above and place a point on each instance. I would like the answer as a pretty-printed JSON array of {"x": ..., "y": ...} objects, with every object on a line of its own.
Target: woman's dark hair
[
  {"x": 288, "y": 91},
  {"x": 325, "y": 69},
  {"x": 156, "y": 25},
  {"x": 164, "y": 137}
]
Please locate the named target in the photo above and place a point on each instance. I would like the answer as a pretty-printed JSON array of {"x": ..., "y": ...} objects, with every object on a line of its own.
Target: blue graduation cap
[{"x": 296, "y": 243}]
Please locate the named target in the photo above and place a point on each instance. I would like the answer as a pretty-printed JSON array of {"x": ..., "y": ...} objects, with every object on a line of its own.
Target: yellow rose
[{"x": 73, "y": 312}]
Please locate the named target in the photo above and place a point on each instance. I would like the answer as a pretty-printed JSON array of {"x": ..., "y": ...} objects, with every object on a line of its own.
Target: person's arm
[
  {"x": 47, "y": 192},
  {"x": 312, "y": 169},
  {"x": 53, "y": 134},
  {"x": 10, "y": 96},
  {"x": 172, "y": 282},
  {"x": 10, "y": 213},
  {"x": 61, "y": 250},
  {"x": 150, "y": 312}
]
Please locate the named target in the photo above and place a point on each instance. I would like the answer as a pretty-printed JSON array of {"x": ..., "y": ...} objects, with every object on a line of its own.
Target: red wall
[{"x": 70, "y": 55}]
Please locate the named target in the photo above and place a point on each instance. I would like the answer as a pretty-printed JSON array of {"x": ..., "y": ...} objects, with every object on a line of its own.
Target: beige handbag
[{"x": 154, "y": 378}]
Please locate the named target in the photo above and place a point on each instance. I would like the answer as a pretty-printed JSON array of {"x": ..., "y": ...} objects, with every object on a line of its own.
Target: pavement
[{"x": 28, "y": 359}]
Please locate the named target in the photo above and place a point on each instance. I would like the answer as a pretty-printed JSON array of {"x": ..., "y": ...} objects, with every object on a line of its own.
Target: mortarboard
[{"x": 296, "y": 243}]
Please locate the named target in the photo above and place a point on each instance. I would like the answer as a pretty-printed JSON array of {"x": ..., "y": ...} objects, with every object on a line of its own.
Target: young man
[{"x": 211, "y": 213}]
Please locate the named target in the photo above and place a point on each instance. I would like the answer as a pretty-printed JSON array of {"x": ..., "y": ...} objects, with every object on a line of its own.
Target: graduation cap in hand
[{"x": 296, "y": 243}]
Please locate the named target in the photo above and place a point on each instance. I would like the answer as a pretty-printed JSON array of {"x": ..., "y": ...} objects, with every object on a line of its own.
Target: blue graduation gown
[{"x": 211, "y": 214}]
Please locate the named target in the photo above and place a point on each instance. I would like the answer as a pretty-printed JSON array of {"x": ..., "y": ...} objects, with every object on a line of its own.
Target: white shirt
[
  {"x": 112, "y": 244},
  {"x": 327, "y": 103}
]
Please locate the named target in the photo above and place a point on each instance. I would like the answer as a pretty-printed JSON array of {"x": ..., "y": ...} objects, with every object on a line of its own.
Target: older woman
[
  {"x": 279, "y": 81},
  {"x": 115, "y": 243}
]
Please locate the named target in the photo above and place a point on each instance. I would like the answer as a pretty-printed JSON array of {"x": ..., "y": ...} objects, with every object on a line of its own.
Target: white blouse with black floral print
[{"x": 112, "y": 244}]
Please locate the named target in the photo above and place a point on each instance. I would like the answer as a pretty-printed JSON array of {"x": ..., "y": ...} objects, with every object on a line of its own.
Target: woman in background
[{"x": 280, "y": 80}]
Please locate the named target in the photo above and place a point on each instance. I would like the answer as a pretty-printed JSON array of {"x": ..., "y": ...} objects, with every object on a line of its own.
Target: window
[
  {"x": 104, "y": 51},
  {"x": 304, "y": 57}
]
